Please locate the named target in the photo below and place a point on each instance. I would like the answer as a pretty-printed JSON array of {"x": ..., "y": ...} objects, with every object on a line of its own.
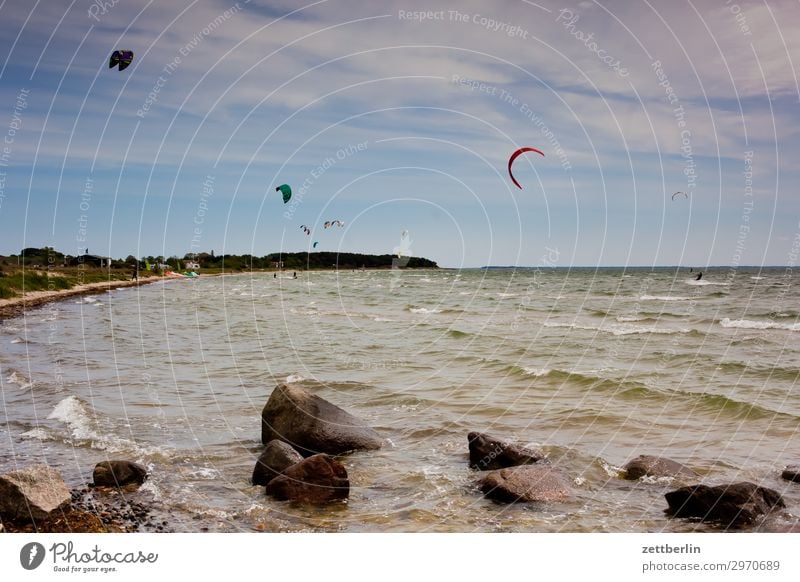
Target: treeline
[
  {"x": 48, "y": 257},
  {"x": 304, "y": 261}
]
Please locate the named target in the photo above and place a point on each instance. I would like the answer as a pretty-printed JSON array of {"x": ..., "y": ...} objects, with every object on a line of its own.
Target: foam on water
[
  {"x": 663, "y": 298},
  {"x": 750, "y": 324}
]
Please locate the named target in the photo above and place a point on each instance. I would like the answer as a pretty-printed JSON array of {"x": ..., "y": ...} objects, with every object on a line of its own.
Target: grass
[{"x": 16, "y": 282}]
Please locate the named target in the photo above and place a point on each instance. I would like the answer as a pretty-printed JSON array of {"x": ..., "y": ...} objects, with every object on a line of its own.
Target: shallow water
[{"x": 594, "y": 366}]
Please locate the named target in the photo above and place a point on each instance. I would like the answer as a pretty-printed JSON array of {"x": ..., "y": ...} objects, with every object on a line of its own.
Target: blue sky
[{"x": 397, "y": 122}]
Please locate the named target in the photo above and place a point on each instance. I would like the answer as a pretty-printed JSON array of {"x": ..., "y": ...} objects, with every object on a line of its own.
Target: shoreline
[{"x": 17, "y": 306}]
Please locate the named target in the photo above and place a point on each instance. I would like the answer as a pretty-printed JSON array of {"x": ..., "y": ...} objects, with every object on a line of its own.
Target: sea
[{"x": 594, "y": 366}]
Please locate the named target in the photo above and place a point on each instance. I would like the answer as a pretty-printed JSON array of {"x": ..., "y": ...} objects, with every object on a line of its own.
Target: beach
[{"x": 592, "y": 367}]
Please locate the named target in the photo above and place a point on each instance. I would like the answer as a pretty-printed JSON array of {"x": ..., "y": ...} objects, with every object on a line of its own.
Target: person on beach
[
  {"x": 699, "y": 276},
  {"x": 294, "y": 275},
  {"x": 135, "y": 273}
]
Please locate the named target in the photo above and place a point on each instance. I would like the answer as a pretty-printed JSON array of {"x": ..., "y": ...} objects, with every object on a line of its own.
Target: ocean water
[{"x": 594, "y": 366}]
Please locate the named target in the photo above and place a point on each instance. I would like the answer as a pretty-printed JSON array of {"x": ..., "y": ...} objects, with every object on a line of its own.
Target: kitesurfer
[{"x": 699, "y": 276}]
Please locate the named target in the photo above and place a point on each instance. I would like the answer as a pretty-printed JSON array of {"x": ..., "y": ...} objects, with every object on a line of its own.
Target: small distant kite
[
  {"x": 286, "y": 190},
  {"x": 121, "y": 59},
  {"x": 330, "y": 223},
  {"x": 315, "y": 244},
  {"x": 514, "y": 157},
  {"x": 684, "y": 194},
  {"x": 306, "y": 229},
  {"x": 404, "y": 234}
]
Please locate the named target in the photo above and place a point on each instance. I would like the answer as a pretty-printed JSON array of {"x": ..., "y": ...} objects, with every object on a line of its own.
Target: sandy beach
[{"x": 17, "y": 305}]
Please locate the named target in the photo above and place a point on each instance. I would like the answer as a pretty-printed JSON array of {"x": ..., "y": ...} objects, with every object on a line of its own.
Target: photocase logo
[{"x": 31, "y": 555}]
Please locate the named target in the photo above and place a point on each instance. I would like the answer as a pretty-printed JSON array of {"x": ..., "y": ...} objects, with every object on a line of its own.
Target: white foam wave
[
  {"x": 424, "y": 310},
  {"x": 620, "y": 329},
  {"x": 750, "y": 324},
  {"x": 505, "y": 295},
  {"x": 18, "y": 340},
  {"x": 663, "y": 298},
  {"x": 73, "y": 412},
  {"x": 702, "y": 283},
  {"x": 292, "y": 378},
  {"x": 19, "y": 379},
  {"x": 38, "y": 434},
  {"x": 538, "y": 372}
]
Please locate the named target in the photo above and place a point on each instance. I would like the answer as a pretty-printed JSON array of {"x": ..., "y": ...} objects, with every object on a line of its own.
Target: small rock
[
  {"x": 317, "y": 479},
  {"x": 276, "y": 457},
  {"x": 488, "y": 452},
  {"x": 118, "y": 474},
  {"x": 526, "y": 483},
  {"x": 732, "y": 505},
  {"x": 33, "y": 493},
  {"x": 312, "y": 424},
  {"x": 650, "y": 466},
  {"x": 792, "y": 473}
]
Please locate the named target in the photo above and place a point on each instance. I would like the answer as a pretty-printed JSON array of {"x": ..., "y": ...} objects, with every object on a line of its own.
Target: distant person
[
  {"x": 699, "y": 276},
  {"x": 274, "y": 275},
  {"x": 294, "y": 275},
  {"x": 135, "y": 273}
]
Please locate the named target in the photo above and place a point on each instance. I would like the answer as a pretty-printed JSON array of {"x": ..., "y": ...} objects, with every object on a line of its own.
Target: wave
[
  {"x": 458, "y": 334},
  {"x": 20, "y": 379},
  {"x": 621, "y": 329},
  {"x": 768, "y": 372},
  {"x": 424, "y": 310},
  {"x": 703, "y": 283},
  {"x": 294, "y": 378},
  {"x": 85, "y": 430},
  {"x": 664, "y": 298},
  {"x": 750, "y": 324}
]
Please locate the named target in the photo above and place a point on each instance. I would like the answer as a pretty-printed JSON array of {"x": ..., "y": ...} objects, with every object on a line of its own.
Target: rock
[
  {"x": 526, "y": 483},
  {"x": 792, "y": 473},
  {"x": 118, "y": 474},
  {"x": 317, "y": 479},
  {"x": 312, "y": 424},
  {"x": 276, "y": 457},
  {"x": 649, "y": 466},
  {"x": 733, "y": 505},
  {"x": 488, "y": 452},
  {"x": 33, "y": 493}
]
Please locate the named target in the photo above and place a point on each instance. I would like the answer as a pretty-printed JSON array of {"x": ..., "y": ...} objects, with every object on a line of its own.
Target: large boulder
[
  {"x": 118, "y": 474},
  {"x": 650, "y": 466},
  {"x": 488, "y": 452},
  {"x": 317, "y": 479},
  {"x": 276, "y": 457},
  {"x": 792, "y": 473},
  {"x": 732, "y": 505},
  {"x": 312, "y": 424},
  {"x": 526, "y": 483},
  {"x": 32, "y": 493}
]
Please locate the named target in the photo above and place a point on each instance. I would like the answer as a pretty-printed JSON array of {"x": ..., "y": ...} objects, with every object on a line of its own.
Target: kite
[
  {"x": 286, "y": 190},
  {"x": 514, "y": 157},
  {"x": 121, "y": 59},
  {"x": 329, "y": 223},
  {"x": 315, "y": 244},
  {"x": 306, "y": 229},
  {"x": 684, "y": 194}
]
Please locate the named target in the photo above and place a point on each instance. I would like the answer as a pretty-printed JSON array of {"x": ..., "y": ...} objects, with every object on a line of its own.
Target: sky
[{"x": 401, "y": 116}]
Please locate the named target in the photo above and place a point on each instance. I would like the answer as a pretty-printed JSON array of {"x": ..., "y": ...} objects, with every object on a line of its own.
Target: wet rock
[
  {"x": 526, "y": 483},
  {"x": 32, "y": 493},
  {"x": 487, "y": 452},
  {"x": 118, "y": 474},
  {"x": 792, "y": 473},
  {"x": 276, "y": 457},
  {"x": 650, "y": 466},
  {"x": 312, "y": 424},
  {"x": 736, "y": 504},
  {"x": 317, "y": 479}
]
